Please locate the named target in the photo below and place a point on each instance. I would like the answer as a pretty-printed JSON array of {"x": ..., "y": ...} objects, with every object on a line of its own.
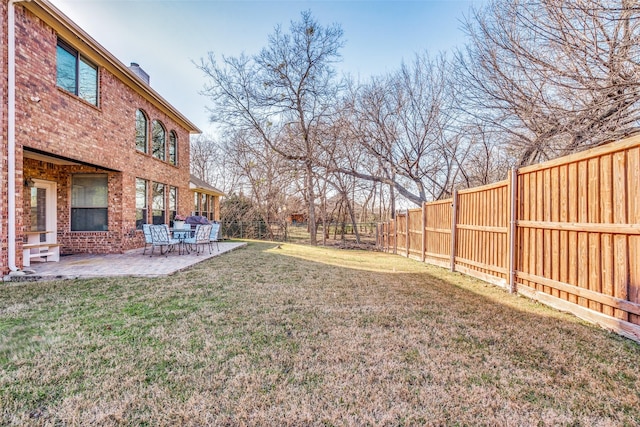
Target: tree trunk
[
  {"x": 392, "y": 201},
  {"x": 312, "y": 208},
  {"x": 352, "y": 216}
]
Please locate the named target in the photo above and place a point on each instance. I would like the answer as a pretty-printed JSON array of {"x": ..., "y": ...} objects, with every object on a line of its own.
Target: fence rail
[{"x": 565, "y": 232}]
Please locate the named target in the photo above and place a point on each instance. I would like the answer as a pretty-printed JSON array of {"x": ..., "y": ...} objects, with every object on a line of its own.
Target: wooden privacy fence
[{"x": 565, "y": 232}]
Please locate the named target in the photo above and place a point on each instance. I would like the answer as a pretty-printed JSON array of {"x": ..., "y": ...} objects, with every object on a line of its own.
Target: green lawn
[{"x": 295, "y": 335}]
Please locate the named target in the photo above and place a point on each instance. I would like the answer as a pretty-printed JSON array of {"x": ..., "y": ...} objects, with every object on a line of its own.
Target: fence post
[
  {"x": 424, "y": 235},
  {"x": 385, "y": 235},
  {"x": 406, "y": 230},
  {"x": 513, "y": 186},
  {"x": 395, "y": 233},
  {"x": 454, "y": 215}
]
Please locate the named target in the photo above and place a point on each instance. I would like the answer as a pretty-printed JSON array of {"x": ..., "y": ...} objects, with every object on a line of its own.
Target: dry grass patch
[{"x": 305, "y": 336}]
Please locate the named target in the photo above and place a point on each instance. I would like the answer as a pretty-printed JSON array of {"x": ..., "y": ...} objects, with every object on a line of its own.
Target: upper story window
[
  {"x": 142, "y": 128},
  {"x": 173, "y": 148},
  {"x": 158, "y": 140},
  {"x": 76, "y": 74}
]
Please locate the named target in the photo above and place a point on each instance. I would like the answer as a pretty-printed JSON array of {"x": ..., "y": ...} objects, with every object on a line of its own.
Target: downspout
[{"x": 11, "y": 134}]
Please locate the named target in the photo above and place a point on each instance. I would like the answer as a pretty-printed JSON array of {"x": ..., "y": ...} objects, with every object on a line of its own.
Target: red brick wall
[{"x": 102, "y": 137}]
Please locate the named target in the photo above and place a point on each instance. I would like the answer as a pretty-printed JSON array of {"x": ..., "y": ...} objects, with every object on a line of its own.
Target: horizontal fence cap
[{"x": 613, "y": 147}]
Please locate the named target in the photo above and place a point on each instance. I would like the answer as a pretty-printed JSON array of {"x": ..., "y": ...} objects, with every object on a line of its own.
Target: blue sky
[{"x": 165, "y": 37}]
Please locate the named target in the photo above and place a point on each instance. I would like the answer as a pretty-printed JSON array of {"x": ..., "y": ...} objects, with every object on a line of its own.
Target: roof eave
[{"x": 211, "y": 191}]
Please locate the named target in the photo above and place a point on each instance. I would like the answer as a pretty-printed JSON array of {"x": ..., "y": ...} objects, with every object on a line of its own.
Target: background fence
[
  {"x": 336, "y": 233},
  {"x": 565, "y": 232}
]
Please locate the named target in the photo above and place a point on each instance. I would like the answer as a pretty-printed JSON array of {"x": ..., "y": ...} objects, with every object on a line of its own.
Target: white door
[{"x": 43, "y": 209}]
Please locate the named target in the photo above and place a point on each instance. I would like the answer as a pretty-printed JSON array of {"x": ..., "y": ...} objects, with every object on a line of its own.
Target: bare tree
[
  {"x": 554, "y": 76},
  {"x": 265, "y": 173},
  {"x": 403, "y": 121},
  {"x": 486, "y": 157},
  {"x": 282, "y": 94},
  {"x": 209, "y": 163}
]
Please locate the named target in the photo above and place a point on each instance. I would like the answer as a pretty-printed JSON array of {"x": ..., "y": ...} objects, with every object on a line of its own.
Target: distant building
[{"x": 297, "y": 218}]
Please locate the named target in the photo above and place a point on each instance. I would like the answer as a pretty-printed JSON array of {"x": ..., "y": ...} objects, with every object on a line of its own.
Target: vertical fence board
[
  {"x": 573, "y": 235},
  {"x": 546, "y": 237},
  {"x": 633, "y": 194},
  {"x": 525, "y": 233},
  {"x": 621, "y": 250},
  {"x": 606, "y": 216},
  {"x": 583, "y": 244},
  {"x": 563, "y": 195},
  {"x": 539, "y": 233},
  {"x": 554, "y": 215},
  {"x": 593, "y": 216}
]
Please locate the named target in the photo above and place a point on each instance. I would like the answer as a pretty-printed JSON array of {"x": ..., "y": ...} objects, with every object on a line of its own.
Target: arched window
[
  {"x": 173, "y": 148},
  {"x": 158, "y": 141},
  {"x": 141, "y": 131}
]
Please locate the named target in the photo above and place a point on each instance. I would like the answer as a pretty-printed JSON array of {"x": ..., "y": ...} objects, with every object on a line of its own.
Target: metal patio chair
[
  {"x": 147, "y": 238},
  {"x": 201, "y": 238},
  {"x": 160, "y": 237},
  {"x": 213, "y": 238}
]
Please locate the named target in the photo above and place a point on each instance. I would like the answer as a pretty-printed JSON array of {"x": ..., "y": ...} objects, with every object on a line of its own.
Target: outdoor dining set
[{"x": 186, "y": 239}]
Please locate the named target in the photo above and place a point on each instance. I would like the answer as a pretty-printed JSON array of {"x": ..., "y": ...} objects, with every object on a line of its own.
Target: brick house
[{"x": 90, "y": 151}]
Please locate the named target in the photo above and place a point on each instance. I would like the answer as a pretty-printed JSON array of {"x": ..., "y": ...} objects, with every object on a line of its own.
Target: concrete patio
[{"x": 131, "y": 263}]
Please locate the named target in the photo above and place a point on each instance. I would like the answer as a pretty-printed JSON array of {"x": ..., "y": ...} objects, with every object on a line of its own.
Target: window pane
[
  {"x": 89, "y": 191},
  {"x": 66, "y": 69},
  {"x": 173, "y": 143},
  {"x": 141, "y": 131},
  {"x": 141, "y": 193},
  {"x": 158, "y": 217},
  {"x": 141, "y": 202},
  {"x": 158, "y": 140},
  {"x": 89, "y": 219},
  {"x": 141, "y": 218},
  {"x": 173, "y": 198},
  {"x": 89, "y": 202},
  {"x": 173, "y": 202},
  {"x": 88, "y": 84},
  {"x": 158, "y": 203},
  {"x": 38, "y": 209},
  {"x": 158, "y": 195}
]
